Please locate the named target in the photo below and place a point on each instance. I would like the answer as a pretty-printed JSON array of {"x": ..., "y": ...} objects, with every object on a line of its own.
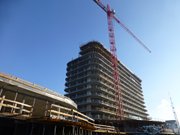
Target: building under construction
[
  {"x": 30, "y": 109},
  {"x": 90, "y": 84}
]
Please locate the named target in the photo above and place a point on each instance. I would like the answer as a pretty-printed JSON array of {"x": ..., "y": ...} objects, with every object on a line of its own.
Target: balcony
[{"x": 106, "y": 104}]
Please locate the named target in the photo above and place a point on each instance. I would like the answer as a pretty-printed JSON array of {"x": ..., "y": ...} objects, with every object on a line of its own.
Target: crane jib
[{"x": 123, "y": 26}]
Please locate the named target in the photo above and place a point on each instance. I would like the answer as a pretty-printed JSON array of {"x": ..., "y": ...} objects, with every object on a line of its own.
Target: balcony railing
[
  {"x": 12, "y": 107},
  {"x": 63, "y": 113}
]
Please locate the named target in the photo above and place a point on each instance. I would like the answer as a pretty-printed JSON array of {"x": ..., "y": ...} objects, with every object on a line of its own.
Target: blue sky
[{"x": 39, "y": 37}]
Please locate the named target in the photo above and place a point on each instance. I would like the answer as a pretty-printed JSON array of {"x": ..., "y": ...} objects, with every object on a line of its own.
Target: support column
[
  {"x": 34, "y": 101},
  {"x": 13, "y": 109},
  {"x": 63, "y": 131},
  {"x": 28, "y": 129},
  {"x": 73, "y": 130},
  {"x": 44, "y": 128},
  {"x": 2, "y": 101},
  {"x": 22, "y": 106},
  {"x": 32, "y": 128},
  {"x": 2, "y": 98},
  {"x": 55, "y": 128},
  {"x": 77, "y": 131},
  {"x": 15, "y": 128},
  {"x": 59, "y": 110},
  {"x": 46, "y": 109},
  {"x": 1, "y": 91},
  {"x": 80, "y": 131}
]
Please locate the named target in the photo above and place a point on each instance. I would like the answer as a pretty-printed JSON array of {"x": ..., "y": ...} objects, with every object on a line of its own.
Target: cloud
[{"x": 163, "y": 111}]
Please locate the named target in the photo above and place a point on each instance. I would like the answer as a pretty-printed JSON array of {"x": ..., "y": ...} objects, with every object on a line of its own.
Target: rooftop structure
[{"x": 89, "y": 83}]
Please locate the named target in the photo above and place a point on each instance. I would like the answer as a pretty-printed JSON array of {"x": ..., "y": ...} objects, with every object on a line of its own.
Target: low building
[
  {"x": 30, "y": 109},
  {"x": 27, "y": 108},
  {"x": 29, "y": 96}
]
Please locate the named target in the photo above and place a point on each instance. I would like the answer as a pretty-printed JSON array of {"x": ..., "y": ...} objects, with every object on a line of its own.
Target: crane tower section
[
  {"x": 119, "y": 109},
  {"x": 175, "y": 116}
]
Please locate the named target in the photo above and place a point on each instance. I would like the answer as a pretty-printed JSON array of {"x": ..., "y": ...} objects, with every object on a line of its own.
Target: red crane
[{"x": 110, "y": 17}]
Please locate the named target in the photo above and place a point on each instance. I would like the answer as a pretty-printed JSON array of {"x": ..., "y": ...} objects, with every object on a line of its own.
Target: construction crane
[
  {"x": 175, "y": 116},
  {"x": 110, "y": 17}
]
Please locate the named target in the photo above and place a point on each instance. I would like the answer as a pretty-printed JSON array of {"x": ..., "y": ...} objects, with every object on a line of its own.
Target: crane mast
[
  {"x": 116, "y": 74},
  {"x": 175, "y": 116},
  {"x": 119, "y": 109}
]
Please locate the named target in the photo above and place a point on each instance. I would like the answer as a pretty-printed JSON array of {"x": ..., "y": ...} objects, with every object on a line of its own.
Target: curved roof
[{"x": 13, "y": 83}]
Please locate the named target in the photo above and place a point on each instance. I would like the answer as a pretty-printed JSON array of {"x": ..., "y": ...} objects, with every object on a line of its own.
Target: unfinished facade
[{"x": 89, "y": 83}]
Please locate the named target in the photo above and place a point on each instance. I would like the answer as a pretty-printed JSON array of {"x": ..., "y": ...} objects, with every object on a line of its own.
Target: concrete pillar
[
  {"x": 1, "y": 90},
  {"x": 44, "y": 128},
  {"x": 63, "y": 131},
  {"x": 32, "y": 128},
  {"x": 55, "y": 129},
  {"x": 73, "y": 130},
  {"x": 15, "y": 128},
  {"x": 78, "y": 131}
]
